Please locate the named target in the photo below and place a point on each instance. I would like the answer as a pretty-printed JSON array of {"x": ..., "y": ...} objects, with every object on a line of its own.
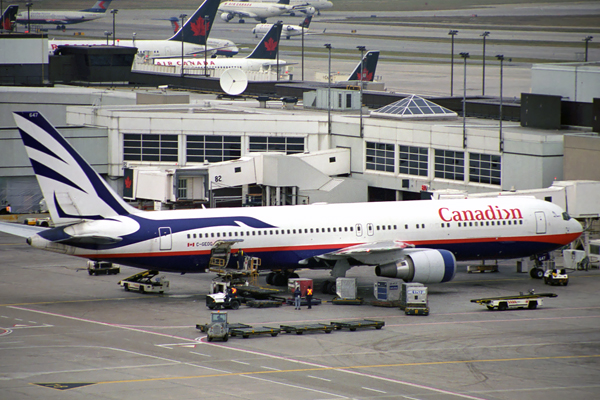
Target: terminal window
[
  {"x": 450, "y": 165},
  {"x": 149, "y": 147},
  {"x": 413, "y": 160},
  {"x": 380, "y": 157},
  {"x": 213, "y": 148},
  {"x": 485, "y": 168},
  {"x": 288, "y": 145}
]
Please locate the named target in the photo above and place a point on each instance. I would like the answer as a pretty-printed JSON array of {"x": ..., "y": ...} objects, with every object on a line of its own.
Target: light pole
[
  {"x": 107, "y": 33},
  {"x": 114, "y": 13},
  {"x": 29, "y": 5},
  {"x": 500, "y": 57},
  {"x": 206, "y": 22},
  {"x": 483, "y": 35},
  {"x": 182, "y": 16},
  {"x": 328, "y": 46},
  {"x": 587, "y": 40},
  {"x": 452, "y": 33},
  {"x": 302, "y": 25},
  {"x": 464, "y": 107},
  {"x": 362, "y": 74}
]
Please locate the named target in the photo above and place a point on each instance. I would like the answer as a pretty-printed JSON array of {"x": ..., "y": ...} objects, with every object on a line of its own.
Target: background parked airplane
[
  {"x": 260, "y": 11},
  {"x": 370, "y": 62},
  {"x": 318, "y": 5},
  {"x": 63, "y": 18},
  {"x": 224, "y": 47},
  {"x": 416, "y": 241},
  {"x": 263, "y": 57},
  {"x": 194, "y": 34},
  {"x": 9, "y": 16},
  {"x": 287, "y": 30}
]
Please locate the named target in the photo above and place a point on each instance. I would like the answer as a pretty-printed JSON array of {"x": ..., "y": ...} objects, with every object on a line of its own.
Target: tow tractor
[
  {"x": 102, "y": 267},
  {"x": 556, "y": 277},
  {"x": 530, "y": 300},
  {"x": 218, "y": 327},
  {"x": 144, "y": 283}
]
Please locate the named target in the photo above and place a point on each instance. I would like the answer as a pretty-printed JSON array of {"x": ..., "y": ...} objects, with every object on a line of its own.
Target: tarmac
[{"x": 66, "y": 334}]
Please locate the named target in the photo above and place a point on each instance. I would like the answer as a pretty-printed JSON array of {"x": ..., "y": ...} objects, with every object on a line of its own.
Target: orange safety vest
[
  {"x": 233, "y": 291},
  {"x": 309, "y": 292}
]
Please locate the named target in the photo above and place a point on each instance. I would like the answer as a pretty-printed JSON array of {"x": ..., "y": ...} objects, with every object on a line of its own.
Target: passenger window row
[{"x": 268, "y": 232}]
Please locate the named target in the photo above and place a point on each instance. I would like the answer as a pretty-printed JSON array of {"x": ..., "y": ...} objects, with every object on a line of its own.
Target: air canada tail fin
[
  {"x": 370, "y": 61},
  {"x": 197, "y": 28},
  {"x": 9, "y": 17},
  {"x": 72, "y": 189},
  {"x": 306, "y": 22},
  {"x": 175, "y": 24},
  {"x": 268, "y": 46},
  {"x": 99, "y": 7}
]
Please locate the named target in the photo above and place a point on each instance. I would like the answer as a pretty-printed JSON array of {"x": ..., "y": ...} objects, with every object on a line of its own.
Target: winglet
[{"x": 72, "y": 189}]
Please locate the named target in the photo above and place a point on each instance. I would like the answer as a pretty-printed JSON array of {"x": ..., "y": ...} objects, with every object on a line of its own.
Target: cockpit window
[{"x": 566, "y": 216}]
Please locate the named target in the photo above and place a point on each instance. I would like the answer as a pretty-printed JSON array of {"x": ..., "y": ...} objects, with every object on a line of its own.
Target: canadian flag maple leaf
[
  {"x": 271, "y": 45},
  {"x": 366, "y": 76},
  {"x": 200, "y": 27},
  {"x": 128, "y": 183}
]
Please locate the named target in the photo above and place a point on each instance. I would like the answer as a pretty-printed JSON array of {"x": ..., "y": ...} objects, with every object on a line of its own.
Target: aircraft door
[
  {"x": 370, "y": 230},
  {"x": 540, "y": 222},
  {"x": 359, "y": 231},
  {"x": 165, "y": 238}
]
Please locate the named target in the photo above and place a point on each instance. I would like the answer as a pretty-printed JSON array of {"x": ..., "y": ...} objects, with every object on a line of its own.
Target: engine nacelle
[
  {"x": 227, "y": 16},
  {"x": 423, "y": 266},
  {"x": 309, "y": 10}
]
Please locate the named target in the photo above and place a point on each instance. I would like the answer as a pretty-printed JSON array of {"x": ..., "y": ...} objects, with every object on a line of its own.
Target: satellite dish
[{"x": 233, "y": 81}]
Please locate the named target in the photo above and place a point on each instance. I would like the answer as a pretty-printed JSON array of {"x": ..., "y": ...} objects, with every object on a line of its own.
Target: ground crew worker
[
  {"x": 309, "y": 294},
  {"x": 297, "y": 296}
]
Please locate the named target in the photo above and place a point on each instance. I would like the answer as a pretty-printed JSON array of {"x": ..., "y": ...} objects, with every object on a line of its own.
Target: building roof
[{"x": 414, "y": 107}]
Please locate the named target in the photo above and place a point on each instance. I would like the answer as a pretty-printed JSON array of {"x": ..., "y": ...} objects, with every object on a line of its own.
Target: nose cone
[{"x": 575, "y": 227}]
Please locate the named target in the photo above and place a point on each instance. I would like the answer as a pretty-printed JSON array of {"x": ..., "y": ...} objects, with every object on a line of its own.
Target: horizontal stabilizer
[{"x": 20, "y": 229}]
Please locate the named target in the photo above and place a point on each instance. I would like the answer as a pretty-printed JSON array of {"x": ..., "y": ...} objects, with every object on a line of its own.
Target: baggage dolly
[
  {"x": 299, "y": 329},
  {"x": 354, "y": 325},
  {"x": 246, "y": 331}
]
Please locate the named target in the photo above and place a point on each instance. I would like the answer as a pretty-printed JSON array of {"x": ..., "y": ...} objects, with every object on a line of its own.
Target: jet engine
[
  {"x": 227, "y": 16},
  {"x": 308, "y": 10},
  {"x": 423, "y": 266}
]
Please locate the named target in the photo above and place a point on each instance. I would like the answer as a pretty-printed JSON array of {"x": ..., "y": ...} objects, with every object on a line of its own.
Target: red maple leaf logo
[
  {"x": 128, "y": 183},
  {"x": 200, "y": 27},
  {"x": 366, "y": 76},
  {"x": 271, "y": 45}
]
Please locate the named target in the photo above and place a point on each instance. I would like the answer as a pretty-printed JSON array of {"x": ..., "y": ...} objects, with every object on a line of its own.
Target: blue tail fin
[
  {"x": 197, "y": 28},
  {"x": 100, "y": 7},
  {"x": 370, "y": 61},
  {"x": 268, "y": 46},
  {"x": 9, "y": 17},
  {"x": 72, "y": 189}
]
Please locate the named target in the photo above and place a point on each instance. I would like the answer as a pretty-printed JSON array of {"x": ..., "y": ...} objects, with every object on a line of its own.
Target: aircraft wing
[
  {"x": 369, "y": 253},
  {"x": 20, "y": 229}
]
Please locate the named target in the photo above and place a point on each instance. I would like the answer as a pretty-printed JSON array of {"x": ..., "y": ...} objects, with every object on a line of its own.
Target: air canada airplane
[
  {"x": 260, "y": 11},
  {"x": 62, "y": 18},
  {"x": 417, "y": 241},
  {"x": 224, "y": 47},
  {"x": 287, "y": 30},
  {"x": 194, "y": 34},
  {"x": 370, "y": 62},
  {"x": 263, "y": 57}
]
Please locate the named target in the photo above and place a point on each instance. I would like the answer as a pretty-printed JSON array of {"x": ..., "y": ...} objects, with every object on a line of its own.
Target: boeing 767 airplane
[{"x": 417, "y": 241}]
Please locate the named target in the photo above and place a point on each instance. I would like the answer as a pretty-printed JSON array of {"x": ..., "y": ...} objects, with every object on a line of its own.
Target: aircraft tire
[
  {"x": 126, "y": 287},
  {"x": 325, "y": 287},
  {"x": 270, "y": 278},
  {"x": 279, "y": 280},
  {"x": 241, "y": 21},
  {"x": 331, "y": 288}
]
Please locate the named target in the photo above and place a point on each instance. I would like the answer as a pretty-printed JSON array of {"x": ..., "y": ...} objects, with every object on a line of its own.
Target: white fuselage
[
  {"x": 150, "y": 48},
  {"x": 257, "y": 11},
  {"x": 245, "y": 64},
  {"x": 286, "y": 30},
  {"x": 57, "y": 17}
]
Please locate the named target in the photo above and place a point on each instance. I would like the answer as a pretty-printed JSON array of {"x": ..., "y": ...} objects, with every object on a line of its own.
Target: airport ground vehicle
[
  {"x": 144, "y": 283},
  {"x": 102, "y": 267},
  {"x": 218, "y": 327},
  {"x": 556, "y": 277},
  {"x": 530, "y": 300},
  {"x": 220, "y": 300}
]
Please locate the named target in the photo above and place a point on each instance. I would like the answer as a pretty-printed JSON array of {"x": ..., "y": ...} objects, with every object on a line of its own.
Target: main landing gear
[{"x": 280, "y": 278}]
